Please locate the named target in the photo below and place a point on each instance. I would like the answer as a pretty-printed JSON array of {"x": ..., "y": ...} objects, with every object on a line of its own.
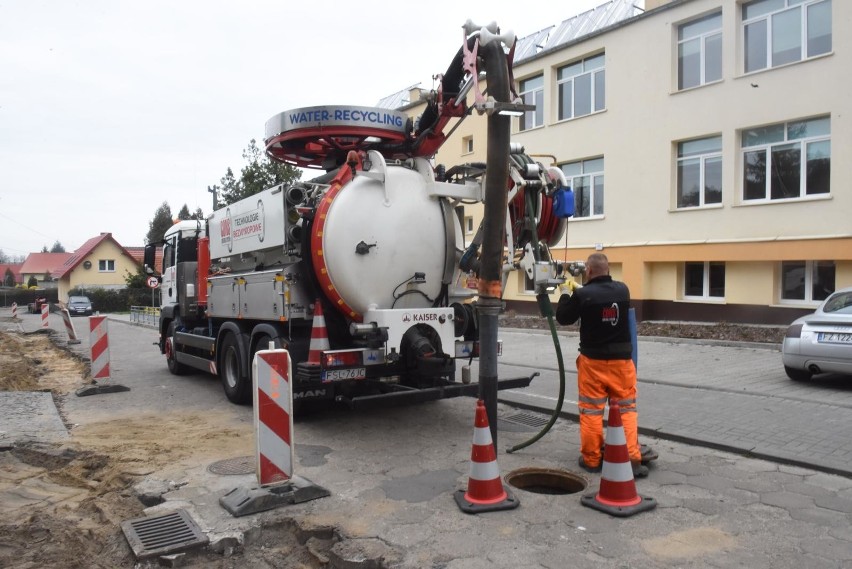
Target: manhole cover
[
  {"x": 522, "y": 422},
  {"x": 546, "y": 481},
  {"x": 239, "y": 465},
  {"x": 163, "y": 534}
]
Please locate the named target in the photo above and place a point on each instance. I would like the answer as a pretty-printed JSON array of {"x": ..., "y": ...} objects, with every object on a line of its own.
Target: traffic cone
[
  {"x": 617, "y": 493},
  {"x": 319, "y": 336},
  {"x": 485, "y": 492}
]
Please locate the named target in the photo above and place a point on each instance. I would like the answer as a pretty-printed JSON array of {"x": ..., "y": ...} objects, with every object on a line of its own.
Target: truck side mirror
[{"x": 149, "y": 258}]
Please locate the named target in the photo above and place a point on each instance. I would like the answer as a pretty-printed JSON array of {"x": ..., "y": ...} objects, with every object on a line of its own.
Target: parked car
[
  {"x": 79, "y": 305},
  {"x": 821, "y": 342}
]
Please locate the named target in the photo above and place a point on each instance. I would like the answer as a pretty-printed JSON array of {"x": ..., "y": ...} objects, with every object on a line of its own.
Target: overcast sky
[{"x": 108, "y": 108}]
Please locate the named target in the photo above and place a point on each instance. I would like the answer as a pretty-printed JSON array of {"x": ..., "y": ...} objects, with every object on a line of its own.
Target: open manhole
[
  {"x": 546, "y": 481},
  {"x": 239, "y": 465}
]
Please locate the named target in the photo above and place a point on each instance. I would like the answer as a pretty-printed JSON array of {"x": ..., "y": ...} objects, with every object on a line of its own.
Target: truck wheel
[
  {"x": 237, "y": 387},
  {"x": 175, "y": 367}
]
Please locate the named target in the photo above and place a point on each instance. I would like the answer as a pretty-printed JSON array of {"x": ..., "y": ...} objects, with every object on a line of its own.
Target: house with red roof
[
  {"x": 10, "y": 274},
  {"x": 101, "y": 262},
  {"x": 41, "y": 266}
]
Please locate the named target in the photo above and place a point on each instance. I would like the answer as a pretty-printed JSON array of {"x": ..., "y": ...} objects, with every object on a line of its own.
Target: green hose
[{"x": 547, "y": 311}]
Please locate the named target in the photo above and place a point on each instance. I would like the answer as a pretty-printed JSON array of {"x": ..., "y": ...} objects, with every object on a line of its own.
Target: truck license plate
[
  {"x": 340, "y": 374},
  {"x": 834, "y": 338}
]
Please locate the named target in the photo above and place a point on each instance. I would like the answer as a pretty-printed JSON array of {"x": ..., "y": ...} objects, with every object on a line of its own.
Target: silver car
[{"x": 821, "y": 342}]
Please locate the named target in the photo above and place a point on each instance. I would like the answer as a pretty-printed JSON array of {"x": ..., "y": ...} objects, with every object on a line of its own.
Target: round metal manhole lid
[
  {"x": 239, "y": 465},
  {"x": 552, "y": 481}
]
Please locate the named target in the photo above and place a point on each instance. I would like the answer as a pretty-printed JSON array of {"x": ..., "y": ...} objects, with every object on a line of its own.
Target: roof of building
[
  {"x": 579, "y": 26},
  {"x": 84, "y": 251},
  {"x": 43, "y": 263},
  {"x": 14, "y": 267},
  {"x": 138, "y": 253}
]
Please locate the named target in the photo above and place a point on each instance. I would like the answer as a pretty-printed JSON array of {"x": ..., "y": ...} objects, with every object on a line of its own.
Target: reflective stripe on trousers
[{"x": 598, "y": 381}]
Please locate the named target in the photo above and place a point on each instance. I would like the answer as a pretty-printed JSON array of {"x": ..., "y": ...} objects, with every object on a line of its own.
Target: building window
[
  {"x": 106, "y": 266},
  {"x": 529, "y": 283},
  {"x": 699, "y": 51},
  {"x": 699, "y": 172},
  {"x": 586, "y": 178},
  {"x": 776, "y": 32},
  {"x": 704, "y": 280},
  {"x": 468, "y": 225},
  {"x": 532, "y": 93},
  {"x": 787, "y": 160},
  {"x": 467, "y": 145},
  {"x": 582, "y": 87},
  {"x": 808, "y": 281}
]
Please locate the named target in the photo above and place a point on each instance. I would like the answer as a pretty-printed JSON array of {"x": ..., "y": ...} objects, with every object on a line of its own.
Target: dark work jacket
[{"x": 602, "y": 306}]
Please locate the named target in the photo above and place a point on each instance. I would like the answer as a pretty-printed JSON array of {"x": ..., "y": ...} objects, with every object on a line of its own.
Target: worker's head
[{"x": 596, "y": 265}]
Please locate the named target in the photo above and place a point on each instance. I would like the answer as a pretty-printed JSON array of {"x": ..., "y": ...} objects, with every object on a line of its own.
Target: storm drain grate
[
  {"x": 239, "y": 465},
  {"x": 526, "y": 420},
  {"x": 163, "y": 534}
]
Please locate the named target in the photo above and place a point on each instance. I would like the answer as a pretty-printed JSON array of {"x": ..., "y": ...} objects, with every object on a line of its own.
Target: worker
[{"x": 605, "y": 368}]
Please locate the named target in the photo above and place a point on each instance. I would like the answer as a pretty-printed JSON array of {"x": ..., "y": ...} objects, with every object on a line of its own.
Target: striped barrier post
[
  {"x": 99, "y": 347},
  {"x": 14, "y": 310},
  {"x": 45, "y": 314},
  {"x": 273, "y": 417},
  {"x": 273, "y": 422},
  {"x": 99, "y": 355},
  {"x": 69, "y": 327}
]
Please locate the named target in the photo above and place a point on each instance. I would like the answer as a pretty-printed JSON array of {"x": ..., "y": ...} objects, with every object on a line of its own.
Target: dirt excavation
[{"x": 62, "y": 505}]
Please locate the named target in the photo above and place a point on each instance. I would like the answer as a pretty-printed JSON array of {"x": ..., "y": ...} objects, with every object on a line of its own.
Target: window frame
[
  {"x": 786, "y": 144},
  {"x": 768, "y": 18},
  {"x": 593, "y": 74},
  {"x": 593, "y": 175},
  {"x": 810, "y": 270},
  {"x": 467, "y": 145},
  {"x": 702, "y": 38},
  {"x": 532, "y": 96},
  {"x": 706, "y": 289},
  {"x": 106, "y": 265},
  {"x": 703, "y": 158}
]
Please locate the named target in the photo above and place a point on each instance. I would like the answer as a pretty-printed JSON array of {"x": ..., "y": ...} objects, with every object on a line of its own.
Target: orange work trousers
[{"x": 598, "y": 382}]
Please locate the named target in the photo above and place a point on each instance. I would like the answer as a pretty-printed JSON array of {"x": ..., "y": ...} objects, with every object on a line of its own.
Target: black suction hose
[{"x": 547, "y": 311}]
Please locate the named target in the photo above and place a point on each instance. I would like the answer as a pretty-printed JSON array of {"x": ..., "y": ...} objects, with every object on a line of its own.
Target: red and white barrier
[
  {"x": 69, "y": 327},
  {"x": 99, "y": 347},
  {"x": 45, "y": 313},
  {"x": 273, "y": 417},
  {"x": 14, "y": 310}
]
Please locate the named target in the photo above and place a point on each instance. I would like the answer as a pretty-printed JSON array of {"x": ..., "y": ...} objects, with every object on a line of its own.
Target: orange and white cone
[
  {"x": 485, "y": 492},
  {"x": 319, "y": 335},
  {"x": 617, "y": 494}
]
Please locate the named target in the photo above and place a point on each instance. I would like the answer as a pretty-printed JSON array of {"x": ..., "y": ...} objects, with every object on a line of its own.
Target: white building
[{"x": 704, "y": 142}]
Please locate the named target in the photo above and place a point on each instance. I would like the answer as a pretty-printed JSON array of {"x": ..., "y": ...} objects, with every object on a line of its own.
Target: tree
[
  {"x": 184, "y": 213},
  {"x": 44, "y": 249},
  {"x": 8, "y": 278},
  {"x": 32, "y": 281},
  {"x": 161, "y": 222},
  {"x": 259, "y": 173},
  {"x": 57, "y": 247},
  {"x": 4, "y": 258},
  {"x": 198, "y": 214}
]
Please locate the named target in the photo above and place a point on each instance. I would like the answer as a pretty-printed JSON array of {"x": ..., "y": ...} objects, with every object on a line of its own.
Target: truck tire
[
  {"x": 237, "y": 388},
  {"x": 175, "y": 367}
]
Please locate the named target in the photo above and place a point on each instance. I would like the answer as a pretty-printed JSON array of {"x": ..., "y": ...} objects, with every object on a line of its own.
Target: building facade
[
  {"x": 704, "y": 141},
  {"x": 101, "y": 262}
]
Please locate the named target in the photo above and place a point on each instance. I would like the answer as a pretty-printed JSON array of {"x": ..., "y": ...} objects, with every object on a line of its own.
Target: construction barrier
[
  {"x": 617, "y": 493},
  {"x": 69, "y": 327},
  {"x": 273, "y": 419},
  {"x": 145, "y": 316},
  {"x": 485, "y": 491},
  {"x": 45, "y": 315},
  {"x": 99, "y": 347},
  {"x": 14, "y": 310}
]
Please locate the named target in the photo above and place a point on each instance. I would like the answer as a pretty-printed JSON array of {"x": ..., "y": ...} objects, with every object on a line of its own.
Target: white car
[{"x": 821, "y": 342}]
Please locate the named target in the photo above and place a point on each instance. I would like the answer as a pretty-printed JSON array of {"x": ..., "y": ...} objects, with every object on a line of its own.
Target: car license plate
[
  {"x": 340, "y": 374},
  {"x": 834, "y": 338}
]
